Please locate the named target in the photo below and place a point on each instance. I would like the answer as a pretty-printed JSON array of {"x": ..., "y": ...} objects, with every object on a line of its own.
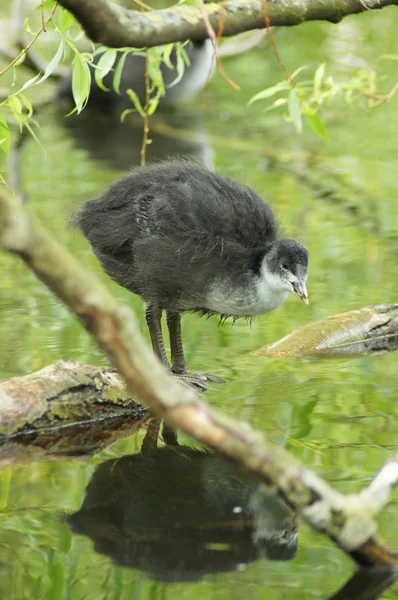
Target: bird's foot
[{"x": 198, "y": 381}]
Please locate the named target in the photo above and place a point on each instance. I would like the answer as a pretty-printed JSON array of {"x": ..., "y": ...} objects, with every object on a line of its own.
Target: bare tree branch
[
  {"x": 115, "y": 26},
  {"x": 347, "y": 520}
]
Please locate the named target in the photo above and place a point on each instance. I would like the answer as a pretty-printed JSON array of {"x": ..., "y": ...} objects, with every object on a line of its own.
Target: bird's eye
[{"x": 284, "y": 266}]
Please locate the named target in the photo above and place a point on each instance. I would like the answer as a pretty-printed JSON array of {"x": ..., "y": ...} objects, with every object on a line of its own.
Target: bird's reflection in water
[
  {"x": 178, "y": 513},
  {"x": 173, "y": 133}
]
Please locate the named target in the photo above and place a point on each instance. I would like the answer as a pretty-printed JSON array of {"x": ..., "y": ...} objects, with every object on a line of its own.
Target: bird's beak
[{"x": 300, "y": 289}]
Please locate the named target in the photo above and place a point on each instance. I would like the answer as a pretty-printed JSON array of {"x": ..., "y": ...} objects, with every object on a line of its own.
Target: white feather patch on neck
[{"x": 263, "y": 294}]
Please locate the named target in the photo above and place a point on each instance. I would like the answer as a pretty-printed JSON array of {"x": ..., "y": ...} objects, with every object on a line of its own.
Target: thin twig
[
  {"x": 42, "y": 16},
  {"x": 142, "y": 5},
  {"x": 3, "y": 182},
  {"x": 273, "y": 45},
  {"x": 381, "y": 100},
  {"x": 145, "y": 134},
  {"x": 32, "y": 41},
  {"x": 214, "y": 40}
]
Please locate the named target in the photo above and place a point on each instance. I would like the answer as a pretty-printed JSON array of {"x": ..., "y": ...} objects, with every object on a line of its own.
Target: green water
[{"x": 339, "y": 417}]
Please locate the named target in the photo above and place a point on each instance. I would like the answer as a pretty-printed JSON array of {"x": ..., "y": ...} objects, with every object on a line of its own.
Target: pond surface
[{"x": 337, "y": 416}]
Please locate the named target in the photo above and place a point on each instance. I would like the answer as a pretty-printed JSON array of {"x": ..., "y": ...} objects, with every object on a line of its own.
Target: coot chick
[{"x": 187, "y": 239}]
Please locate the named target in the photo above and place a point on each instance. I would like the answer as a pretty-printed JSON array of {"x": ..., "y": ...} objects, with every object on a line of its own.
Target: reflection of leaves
[
  {"x": 302, "y": 418},
  {"x": 365, "y": 331}
]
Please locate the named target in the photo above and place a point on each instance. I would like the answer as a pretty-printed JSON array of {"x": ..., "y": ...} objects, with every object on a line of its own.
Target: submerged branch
[
  {"x": 347, "y": 520},
  {"x": 366, "y": 584},
  {"x": 379, "y": 491},
  {"x": 115, "y": 26}
]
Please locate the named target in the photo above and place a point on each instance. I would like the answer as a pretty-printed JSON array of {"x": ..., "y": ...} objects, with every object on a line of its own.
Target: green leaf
[
  {"x": 15, "y": 105},
  {"x": 318, "y": 78},
  {"x": 118, "y": 73},
  {"x": 349, "y": 96},
  {"x": 81, "y": 82},
  {"x": 153, "y": 104},
  {"x": 294, "y": 108},
  {"x": 20, "y": 120},
  {"x": 317, "y": 125},
  {"x": 26, "y": 26},
  {"x": 277, "y": 104},
  {"x": 46, "y": 4},
  {"x": 103, "y": 67},
  {"x": 65, "y": 19},
  {"x": 297, "y": 71},
  {"x": 53, "y": 64},
  {"x": 33, "y": 134},
  {"x": 154, "y": 71},
  {"x": 168, "y": 49},
  {"x": 137, "y": 104},
  {"x": 3, "y": 122},
  {"x": 271, "y": 91},
  {"x": 184, "y": 53},
  {"x": 20, "y": 60},
  {"x": 181, "y": 57},
  {"x": 126, "y": 112},
  {"x": 388, "y": 57},
  {"x": 27, "y": 103},
  {"x": 5, "y": 136},
  {"x": 29, "y": 83}
]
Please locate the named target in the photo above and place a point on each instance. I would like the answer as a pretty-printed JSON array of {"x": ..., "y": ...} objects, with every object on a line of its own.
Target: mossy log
[
  {"x": 371, "y": 330},
  {"x": 67, "y": 408}
]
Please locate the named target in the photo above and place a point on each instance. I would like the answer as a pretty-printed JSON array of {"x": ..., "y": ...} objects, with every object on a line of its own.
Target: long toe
[
  {"x": 213, "y": 378},
  {"x": 198, "y": 380}
]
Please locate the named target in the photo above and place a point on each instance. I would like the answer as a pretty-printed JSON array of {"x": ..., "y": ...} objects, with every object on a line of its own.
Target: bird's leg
[
  {"x": 169, "y": 435},
  {"x": 149, "y": 446},
  {"x": 153, "y": 315},
  {"x": 178, "y": 364}
]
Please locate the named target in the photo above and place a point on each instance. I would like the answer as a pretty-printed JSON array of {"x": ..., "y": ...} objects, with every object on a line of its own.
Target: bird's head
[{"x": 286, "y": 267}]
